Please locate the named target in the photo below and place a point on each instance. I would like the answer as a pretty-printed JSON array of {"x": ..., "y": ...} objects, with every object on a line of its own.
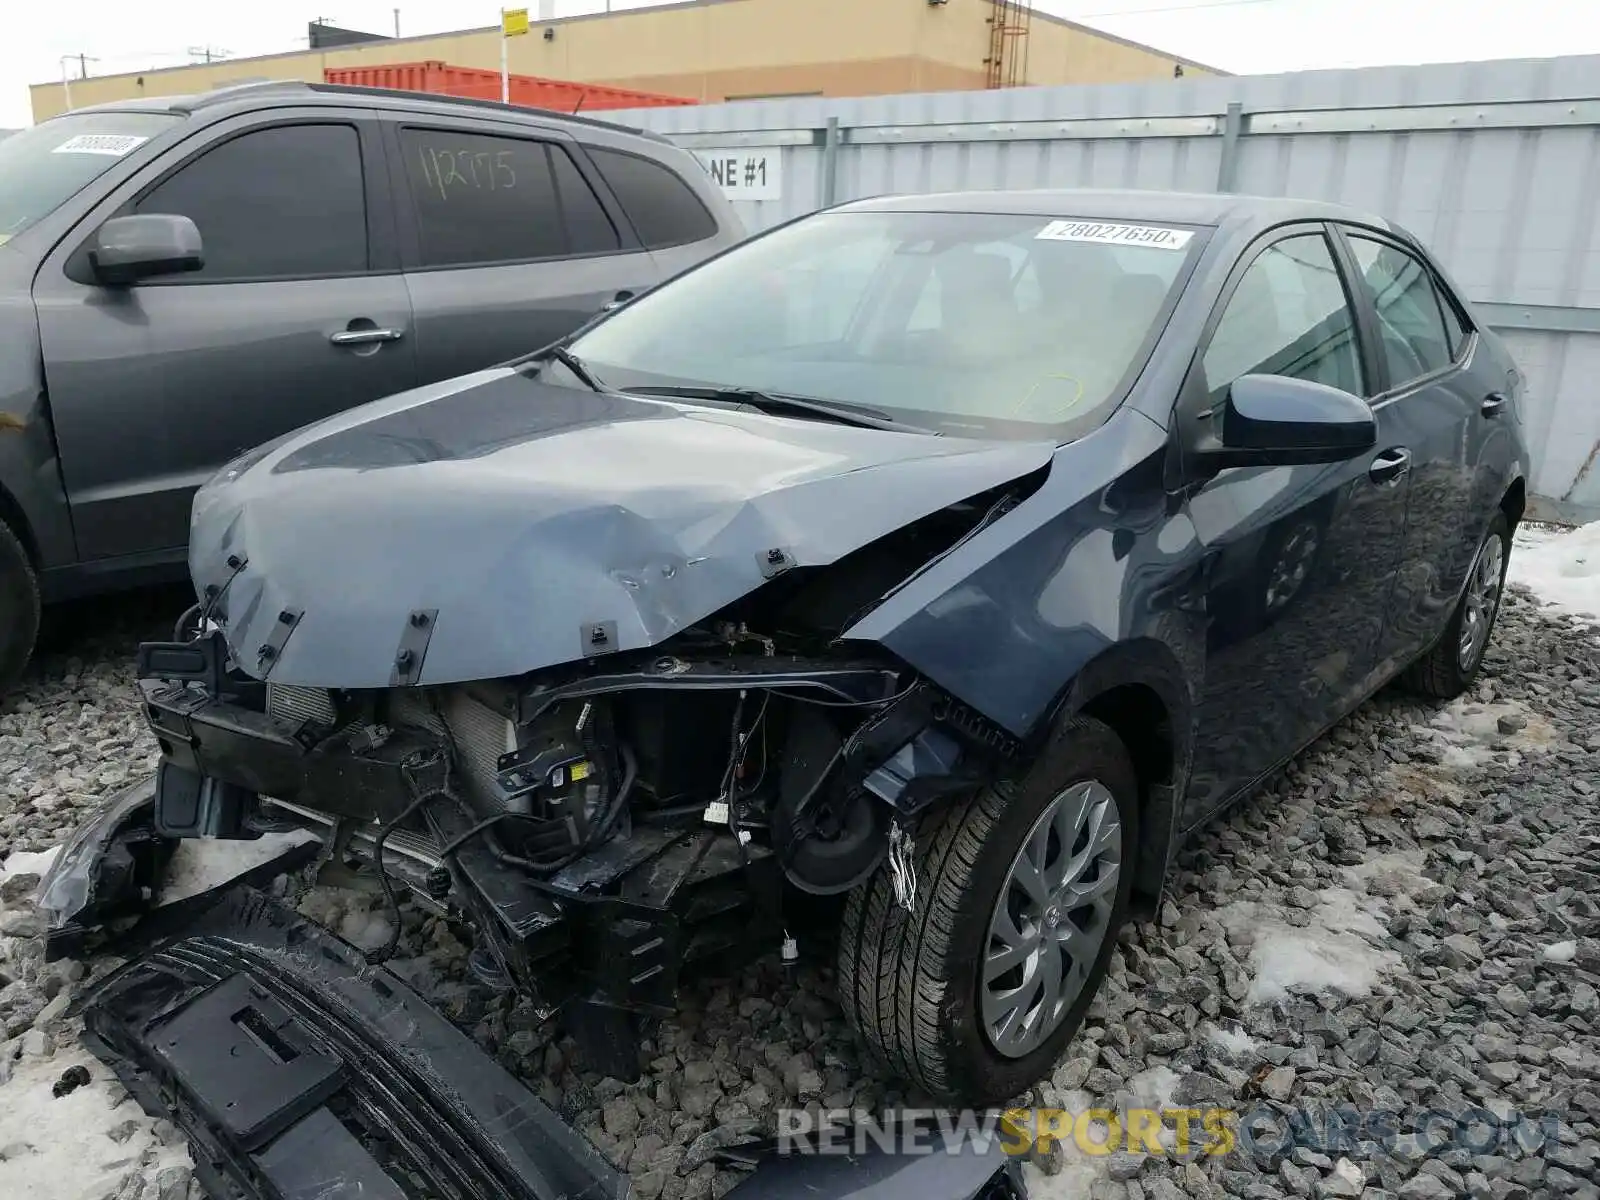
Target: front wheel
[
  {"x": 1449, "y": 668},
  {"x": 1019, "y": 893}
]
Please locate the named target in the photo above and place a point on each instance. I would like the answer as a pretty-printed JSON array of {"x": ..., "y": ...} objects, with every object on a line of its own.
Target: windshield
[
  {"x": 968, "y": 324},
  {"x": 42, "y": 167}
]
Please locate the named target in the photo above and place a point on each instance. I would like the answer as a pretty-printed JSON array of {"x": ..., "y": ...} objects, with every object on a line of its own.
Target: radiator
[
  {"x": 481, "y": 736},
  {"x": 300, "y": 704}
]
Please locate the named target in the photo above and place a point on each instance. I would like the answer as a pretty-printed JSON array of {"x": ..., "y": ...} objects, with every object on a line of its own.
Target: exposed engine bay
[{"x": 607, "y": 823}]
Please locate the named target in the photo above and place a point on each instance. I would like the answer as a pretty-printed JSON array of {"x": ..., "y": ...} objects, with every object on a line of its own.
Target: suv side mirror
[
  {"x": 127, "y": 249},
  {"x": 1272, "y": 420}
]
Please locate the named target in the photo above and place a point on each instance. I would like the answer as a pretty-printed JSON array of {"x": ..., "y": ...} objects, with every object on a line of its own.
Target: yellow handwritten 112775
[{"x": 480, "y": 170}]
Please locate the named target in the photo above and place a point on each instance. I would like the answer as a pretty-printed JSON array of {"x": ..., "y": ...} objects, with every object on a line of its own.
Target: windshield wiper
[
  {"x": 569, "y": 360},
  {"x": 787, "y": 403}
]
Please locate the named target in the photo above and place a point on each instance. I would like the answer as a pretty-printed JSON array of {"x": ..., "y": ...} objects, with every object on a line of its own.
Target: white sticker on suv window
[
  {"x": 1112, "y": 234},
  {"x": 114, "y": 144}
]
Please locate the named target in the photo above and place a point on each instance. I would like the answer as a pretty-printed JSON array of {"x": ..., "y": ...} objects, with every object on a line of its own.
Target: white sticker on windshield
[
  {"x": 1111, "y": 234},
  {"x": 114, "y": 144}
]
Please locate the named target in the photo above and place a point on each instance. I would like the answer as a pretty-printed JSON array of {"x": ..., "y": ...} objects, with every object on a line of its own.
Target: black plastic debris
[{"x": 297, "y": 1071}]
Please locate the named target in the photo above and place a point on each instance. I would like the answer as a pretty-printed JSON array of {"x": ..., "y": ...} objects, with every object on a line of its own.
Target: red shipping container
[{"x": 529, "y": 91}]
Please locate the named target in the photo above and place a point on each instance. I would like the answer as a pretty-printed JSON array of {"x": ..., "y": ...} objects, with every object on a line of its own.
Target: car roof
[
  {"x": 286, "y": 93},
  {"x": 1220, "y": 209}
]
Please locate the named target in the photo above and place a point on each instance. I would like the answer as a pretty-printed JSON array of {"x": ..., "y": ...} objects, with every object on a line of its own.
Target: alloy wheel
[
  {"x": 1482, "y": 601},
  {"x": 1051, "y": 918}
]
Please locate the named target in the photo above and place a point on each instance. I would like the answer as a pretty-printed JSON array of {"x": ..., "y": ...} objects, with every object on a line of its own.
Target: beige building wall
[{"x": 707, "y": 50}]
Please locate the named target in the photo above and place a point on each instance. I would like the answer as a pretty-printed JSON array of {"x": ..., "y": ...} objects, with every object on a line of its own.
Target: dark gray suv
[{"x": 182, "y": 279}]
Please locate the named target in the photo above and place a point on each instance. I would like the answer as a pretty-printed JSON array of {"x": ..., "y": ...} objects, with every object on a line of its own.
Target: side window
[
  {"x": 482, "y": 199},
  {"x": 1415, "y": 340},
  {"x": 662, "y": 207},
  {"x": 1288, "y": 316},
  {"x": 285, "y": 202}
]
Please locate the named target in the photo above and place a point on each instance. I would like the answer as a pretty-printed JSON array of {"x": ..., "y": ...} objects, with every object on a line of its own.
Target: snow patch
[
  {"x": 359, "y": 918},
  {"x": 1235, "y": 1043},
  {"x": 200, "y": 864},
  {"x": 1468, "y": 733},
  {"x": 1561, "y": 569},
  {"x": 1561, "y": 952},
  {"x": 29, "y": 862},
  {"x": 69, "y": 1150},
  {"x": 1333, "y": 951}
]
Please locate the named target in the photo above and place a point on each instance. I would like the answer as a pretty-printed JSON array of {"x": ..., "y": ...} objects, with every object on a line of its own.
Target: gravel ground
[{"x": 1408, "y": 919}]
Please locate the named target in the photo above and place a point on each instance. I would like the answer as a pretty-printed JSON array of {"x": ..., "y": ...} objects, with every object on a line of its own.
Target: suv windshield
[
  {"x": 42, "y": 167},
  {"x": 969, "y": 324}
]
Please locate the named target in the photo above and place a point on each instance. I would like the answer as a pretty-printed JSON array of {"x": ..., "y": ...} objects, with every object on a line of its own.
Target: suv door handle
[
  {"x": 362, "y": 337},
  {"x": 1390, "y": 466},
  {"x": 620, "y": 299},
  {"x": 1492, "y": 404}
]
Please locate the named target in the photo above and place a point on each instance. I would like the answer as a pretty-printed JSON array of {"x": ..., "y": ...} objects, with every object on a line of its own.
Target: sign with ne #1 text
[{"x": 746, "y": 174}]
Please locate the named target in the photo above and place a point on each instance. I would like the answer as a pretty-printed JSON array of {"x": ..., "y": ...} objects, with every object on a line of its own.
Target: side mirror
[
  {"x": 1272, "y": 420},
  {"x": 127, "y": 249}
]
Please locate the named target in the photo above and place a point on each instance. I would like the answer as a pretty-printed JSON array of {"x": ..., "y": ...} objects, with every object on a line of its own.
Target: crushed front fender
[{"x": 296, "y": 1070}]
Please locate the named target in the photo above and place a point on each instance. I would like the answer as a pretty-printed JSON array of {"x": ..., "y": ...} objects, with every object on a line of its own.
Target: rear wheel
[
  {"x": 19, "y": 608},
  {"x": 974, "y": 993},
  {"x": 1449, "y": 668}
]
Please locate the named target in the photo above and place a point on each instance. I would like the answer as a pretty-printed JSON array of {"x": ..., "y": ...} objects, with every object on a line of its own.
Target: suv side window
[
  {"x": 1410, "y": 320},
  {"x": 284, "y": 202},
  {"x": 663, "y": 208},
  {"x": 1289, "y": 315},
  {"x": 482, "y": 199}
]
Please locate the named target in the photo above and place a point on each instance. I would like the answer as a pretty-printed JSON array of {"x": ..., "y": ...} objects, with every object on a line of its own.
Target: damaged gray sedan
[{"x": 953, "y": 554}]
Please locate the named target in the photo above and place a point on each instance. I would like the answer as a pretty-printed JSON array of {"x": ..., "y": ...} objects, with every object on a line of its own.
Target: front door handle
[
  {"x": 1390, "y": 466},
  {"x": 1492, "y": 404},
  {"x": 619, "y": 299},
  {"x": 364, "y": 337}
]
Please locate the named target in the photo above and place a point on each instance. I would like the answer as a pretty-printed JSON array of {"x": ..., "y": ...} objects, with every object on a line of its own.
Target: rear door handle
[
  {"x": 620, "y": 299},
  {"x": 363, "y": 337},
  {"x": 1390, "y": 466},
  {"x": 1492, "y": 404}
]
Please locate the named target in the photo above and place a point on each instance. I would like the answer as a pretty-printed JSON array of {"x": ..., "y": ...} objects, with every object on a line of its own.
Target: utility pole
[
  {"x": 397, "y": 22},
  {"x": 210, "y": 54},
  {"x": 66, "y": 76}
]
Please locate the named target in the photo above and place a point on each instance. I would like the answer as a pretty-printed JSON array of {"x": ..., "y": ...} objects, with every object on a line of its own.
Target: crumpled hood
[{"x": 526, "y": 514}]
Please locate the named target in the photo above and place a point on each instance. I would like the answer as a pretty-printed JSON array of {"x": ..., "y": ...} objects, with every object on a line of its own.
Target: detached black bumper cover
[{"x": 298, "y": 1071}]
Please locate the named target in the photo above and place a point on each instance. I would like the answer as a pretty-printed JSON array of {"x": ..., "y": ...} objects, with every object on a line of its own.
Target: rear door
[
  {"x": 299, "y": 312},
  {"x": 508, "y": 241},
  {"x": 1427, "y": 399},
  {"x": 1299, "y": 559}
]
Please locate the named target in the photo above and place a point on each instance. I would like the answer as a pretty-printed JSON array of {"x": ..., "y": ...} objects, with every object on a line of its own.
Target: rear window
[
  {"x": 43, "y": 167},
  {"x": 663, "y": 208}
]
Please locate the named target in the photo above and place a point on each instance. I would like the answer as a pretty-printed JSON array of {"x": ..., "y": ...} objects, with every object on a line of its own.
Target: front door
[
  {"x": 1299, "y": 560},
  {"x": 508, "y": 245},
  {"x": 294, "y": 316}
]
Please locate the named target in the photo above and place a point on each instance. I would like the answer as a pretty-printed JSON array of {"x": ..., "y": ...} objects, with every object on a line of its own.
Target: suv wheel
[
  {"x": 1449, "y": 668},
  {"x": 1019, "y": 893},
  {"x": 19, "y": 608}
]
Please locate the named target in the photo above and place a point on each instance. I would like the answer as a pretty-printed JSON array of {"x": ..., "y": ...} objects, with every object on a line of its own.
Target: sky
[{"x": 1242, "y": 36}]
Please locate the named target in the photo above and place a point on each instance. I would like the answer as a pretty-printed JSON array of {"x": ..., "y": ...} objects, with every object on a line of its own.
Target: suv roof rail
[
  {"x": 222, "y": 95},
  {"x": 350, "y": 89},
  {"x": 267, "y": 87}
]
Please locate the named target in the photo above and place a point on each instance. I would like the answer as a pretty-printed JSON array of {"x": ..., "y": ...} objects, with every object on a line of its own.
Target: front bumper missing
[
  {"x": 298, "y": 1071},
  {"x": 611, "y": 931}
]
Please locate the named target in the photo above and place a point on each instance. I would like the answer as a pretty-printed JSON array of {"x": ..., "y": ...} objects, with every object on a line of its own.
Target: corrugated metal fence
[{"x": 1495, "y": 165}]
